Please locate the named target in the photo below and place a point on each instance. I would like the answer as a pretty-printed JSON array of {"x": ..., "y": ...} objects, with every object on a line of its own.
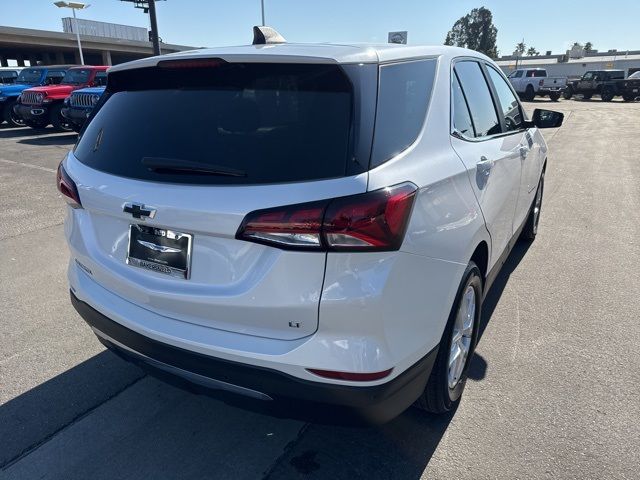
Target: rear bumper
[
  {"x": 32, "y": 113},
  {"x": 260, "y": 388},
  {"x": 548, "y": 90}
]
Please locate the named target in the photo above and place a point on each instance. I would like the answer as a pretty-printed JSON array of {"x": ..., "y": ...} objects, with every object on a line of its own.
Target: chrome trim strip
[{"x": 192, "y": 377}]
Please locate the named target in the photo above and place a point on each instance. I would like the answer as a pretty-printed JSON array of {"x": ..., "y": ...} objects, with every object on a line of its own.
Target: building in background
[
  {"x": 575, "y": 62},
  {"x": 104, "y": 29},
  {"x": 25, "y": 46}
]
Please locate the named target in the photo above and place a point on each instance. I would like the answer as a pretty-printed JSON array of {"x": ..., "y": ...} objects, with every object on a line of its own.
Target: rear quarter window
[{"x": 403, "y": 98}]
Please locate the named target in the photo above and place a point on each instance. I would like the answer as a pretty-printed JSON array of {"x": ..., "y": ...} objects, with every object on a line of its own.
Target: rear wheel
[
  {"x": 531, "y": 227},
  {"x": 606, "y": 96},
  {"x": 10, "y": 116},
  {"x": 554, "y": 96},
  {"x": 449, "y": 373},
  {"x": 568, "y": 93},
  {"x": 628, "y": 98},
  {"x": 529, "y": 93}
]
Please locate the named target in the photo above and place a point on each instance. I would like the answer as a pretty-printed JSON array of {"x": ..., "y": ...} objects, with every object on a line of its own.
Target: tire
[
  {"x": 10, "y": 117},
  {"x": 35, "y": 126},
  {"x": 529, "y": 94},
  {"x": 628, "y": 98},
  {"x": 443, "y": 391},
  {"x": 554, "y": 96},
  {"x": 568, "y": 93},
  {"x": 587, "y": 96},
  {"x": 606, "y": 96},
  {"x": 530, "y": 229},
  {"x": 59, "y": 123}
]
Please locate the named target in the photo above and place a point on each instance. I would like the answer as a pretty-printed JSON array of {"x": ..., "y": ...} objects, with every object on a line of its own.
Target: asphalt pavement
[{"x": 555, "y": 383}]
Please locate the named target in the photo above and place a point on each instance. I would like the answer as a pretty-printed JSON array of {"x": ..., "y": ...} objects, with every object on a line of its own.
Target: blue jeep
[
  {"x": 29, "y": 77},
  {"x": 79, "y": 105}
]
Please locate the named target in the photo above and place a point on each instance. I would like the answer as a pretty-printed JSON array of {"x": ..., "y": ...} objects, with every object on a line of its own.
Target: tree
[
  {"x": 475, "y": 31},
  {"x": 577, "y": 46},
  {"x": 588, "y": 47},
  {"x": 520, "y": 48},
  {"x": 532, "y": 52}
]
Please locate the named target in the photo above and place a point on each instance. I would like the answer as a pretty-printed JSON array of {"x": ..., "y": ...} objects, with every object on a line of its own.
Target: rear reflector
[
  {"x": 67, "y": 187},
  {"x": 372, "y": 221},
  {"x": 354, "y": 377}
]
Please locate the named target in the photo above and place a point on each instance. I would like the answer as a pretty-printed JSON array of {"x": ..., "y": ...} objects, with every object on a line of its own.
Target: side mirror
[{"x": 546, "y": 119}]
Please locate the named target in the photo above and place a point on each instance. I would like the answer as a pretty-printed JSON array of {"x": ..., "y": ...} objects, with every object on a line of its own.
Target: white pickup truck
[{"x": 532, "y": 82}]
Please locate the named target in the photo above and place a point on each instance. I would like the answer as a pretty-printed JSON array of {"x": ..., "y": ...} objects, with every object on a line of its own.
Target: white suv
[{"x": 308, "y": 224}]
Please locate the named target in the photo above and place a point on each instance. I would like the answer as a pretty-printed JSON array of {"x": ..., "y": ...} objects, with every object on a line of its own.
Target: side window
[
  {"x": 461, "y": 118},
  {"x": 100, "y": 79},
  {"x": 508, "y": 101},
  {"x": 403, "y": 97},
  {"x": 519, "y": 74},
  {"x": 478, "y": 97}
]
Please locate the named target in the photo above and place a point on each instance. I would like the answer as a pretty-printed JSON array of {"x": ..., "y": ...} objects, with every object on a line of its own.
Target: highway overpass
[{"x": 43, "y": 47}]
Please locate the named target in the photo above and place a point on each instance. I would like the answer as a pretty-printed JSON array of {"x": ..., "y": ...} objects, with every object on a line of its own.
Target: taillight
[
  {"x": 67, "y": 187},
  {"x": 540, "y": 82},
  {"x": 370, "y": 221}
]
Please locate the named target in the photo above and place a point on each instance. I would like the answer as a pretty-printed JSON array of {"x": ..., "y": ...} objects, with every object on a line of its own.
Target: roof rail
[{"x": 266, "y": 35}]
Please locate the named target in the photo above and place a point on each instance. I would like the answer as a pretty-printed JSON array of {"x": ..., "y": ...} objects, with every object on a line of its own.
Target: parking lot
[{"x": 554, "y": 390}]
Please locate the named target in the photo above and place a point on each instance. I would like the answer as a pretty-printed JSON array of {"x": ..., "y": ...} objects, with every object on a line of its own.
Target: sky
[{"x": 544, "y": 24}]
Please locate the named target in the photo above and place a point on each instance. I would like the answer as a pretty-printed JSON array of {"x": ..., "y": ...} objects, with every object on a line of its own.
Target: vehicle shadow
[
  {"x": 399, "y": 449},
  {"x": 19, "y": 132},
  {"x": 48, "y": 140}
]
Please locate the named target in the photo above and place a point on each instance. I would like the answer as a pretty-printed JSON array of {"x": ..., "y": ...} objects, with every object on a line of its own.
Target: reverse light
[
  {"x": 67, "y": 187},
  {"x": 372, "y": 221}
]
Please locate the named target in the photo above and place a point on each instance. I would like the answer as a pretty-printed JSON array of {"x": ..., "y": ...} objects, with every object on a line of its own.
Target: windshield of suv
[
  {"x": 272, "y": 122},
  {"x": 29, "y": 76},
  {"x": 78, "y": 76}
]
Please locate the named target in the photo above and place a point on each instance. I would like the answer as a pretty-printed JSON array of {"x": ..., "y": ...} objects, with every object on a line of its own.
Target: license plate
[{"x": 160, "y": 250}]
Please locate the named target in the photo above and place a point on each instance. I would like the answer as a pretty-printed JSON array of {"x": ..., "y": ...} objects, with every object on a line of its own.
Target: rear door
[
  {"x": 492, "y": 158},
  {"x": 174, "y": 160}
]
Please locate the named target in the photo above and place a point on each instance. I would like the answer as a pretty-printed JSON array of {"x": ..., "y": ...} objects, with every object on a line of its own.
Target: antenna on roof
[{"x": 266, "y": 35}]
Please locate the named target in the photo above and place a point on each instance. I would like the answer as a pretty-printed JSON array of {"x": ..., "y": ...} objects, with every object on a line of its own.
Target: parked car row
[
  {"x": 534, "y": 82},
  {"x": 58, "y": 95}
]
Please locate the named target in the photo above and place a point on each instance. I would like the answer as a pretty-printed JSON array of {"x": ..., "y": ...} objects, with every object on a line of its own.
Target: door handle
[
  {"x": 483, "y": 170},
  {"x": 523, "y": 153}
]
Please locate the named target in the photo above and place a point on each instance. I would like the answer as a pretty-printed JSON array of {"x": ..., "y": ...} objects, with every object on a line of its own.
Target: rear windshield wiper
[{"x": 176, "y": 165}]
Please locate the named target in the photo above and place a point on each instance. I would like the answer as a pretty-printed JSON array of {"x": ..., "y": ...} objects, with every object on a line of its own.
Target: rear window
[
  {"x": 271, "y": 122},
  {"x": 536, "y": 73},
  {"x": 405, "y": 89}
]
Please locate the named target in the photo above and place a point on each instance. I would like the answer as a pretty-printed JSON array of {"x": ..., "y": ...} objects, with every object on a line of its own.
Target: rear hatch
[
  {"x": 176, "y": 156},
  {"x": 554, "y": 82}
]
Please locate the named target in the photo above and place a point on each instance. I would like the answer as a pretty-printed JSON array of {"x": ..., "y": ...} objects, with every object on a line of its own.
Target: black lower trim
[
  {"x": 26, "y": 113},
  {"x": 294, "y": 397}
]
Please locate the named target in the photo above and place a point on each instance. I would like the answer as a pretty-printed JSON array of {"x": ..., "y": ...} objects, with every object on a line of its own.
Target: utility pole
[
  {"x": 154, "y": 27},
  {"x": 262, "y": 6}
]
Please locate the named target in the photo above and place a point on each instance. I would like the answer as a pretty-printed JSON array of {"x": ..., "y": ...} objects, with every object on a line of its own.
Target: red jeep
[{"x": 41, "y": 106}]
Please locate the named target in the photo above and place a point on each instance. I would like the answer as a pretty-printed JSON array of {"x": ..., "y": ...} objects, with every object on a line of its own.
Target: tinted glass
[
  {"x": 7, "y": 77},
  {"x": 405, "y": 89},
  {"x": 29, "y": 76},
  {"x": 588, "y": 76},
  {"x": 508, "y": 101},
  {"x": 76, "y": 76},
  {"x": 274, "y": 122},
  {"x": 536, "y": 73},
  {"x": 55, "y": 77},
  {"x": 479, "y": 98},
  {"x": 461, "y": 118},
  {"x": 518, "y": 74},
  {"x": 635, "y": 75}
]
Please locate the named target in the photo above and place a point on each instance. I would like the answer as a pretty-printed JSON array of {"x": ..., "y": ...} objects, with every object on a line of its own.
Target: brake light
[
  {"x": 540, "y": 82},
  {"x": 192, "y": 63},
  {"x": 67, "y": 187},
  {"x": 370, "y": 221}
]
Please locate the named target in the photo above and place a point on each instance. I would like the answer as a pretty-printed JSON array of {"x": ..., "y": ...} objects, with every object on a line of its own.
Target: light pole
[
  {"x": 262, "y": 6},
  {"x": 74, "y": 6}
]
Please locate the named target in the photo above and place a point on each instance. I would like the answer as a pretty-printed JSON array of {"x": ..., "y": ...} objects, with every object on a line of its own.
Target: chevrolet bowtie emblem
[{"x": 137, "y": 210}]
